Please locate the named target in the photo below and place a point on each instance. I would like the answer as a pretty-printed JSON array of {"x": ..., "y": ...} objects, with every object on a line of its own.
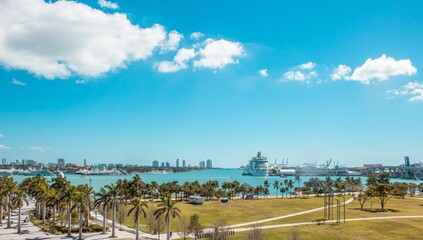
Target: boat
[{"x": 257, "y": 166}]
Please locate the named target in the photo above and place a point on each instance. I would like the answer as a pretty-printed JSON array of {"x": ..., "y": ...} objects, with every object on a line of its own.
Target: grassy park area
[{"x": 240, "y": 211}]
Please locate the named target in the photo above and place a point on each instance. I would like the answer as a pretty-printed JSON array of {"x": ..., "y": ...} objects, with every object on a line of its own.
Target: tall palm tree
[
  {"x": 18, "y": 201},
  {"x": 115, "y": 197},
  {"x": 9, "y": 187},
  {"x": 138, "y": 207},
  {"x": 53, "y": 201},
  {"x": 3, "y": 197},
  {"x": 68, "y": 196},
  {"x": 103, "y": 199},
  {"x": 168, "y": 208},
  {"x": 81, "y": 202},
  {"x": 266, "y": 185},
  {"x": 276, "y": 187}
]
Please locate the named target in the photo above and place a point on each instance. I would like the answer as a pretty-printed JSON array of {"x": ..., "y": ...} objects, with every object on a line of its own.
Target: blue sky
[{"x": 137, "y": 81}]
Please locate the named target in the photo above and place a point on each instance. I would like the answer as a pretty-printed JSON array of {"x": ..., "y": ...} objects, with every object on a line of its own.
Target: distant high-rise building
[
  {"x": 202, "y": 164},
  {"x": 155, "y": 163},
  {"x": 85, "y": 162},
  {"x": 29, "y": 162},
  {"x": 162, "y": 164},
  {"x": 184, "y": 163},
  {"x": 407, "y": 161},
  {"x": 177, "y": 162},
  {"x": 167, "y": 164},
  {"x": 209, "y": 164},
  {"x": 61, "y": 162},
  {"x": 3, "y": 161}
]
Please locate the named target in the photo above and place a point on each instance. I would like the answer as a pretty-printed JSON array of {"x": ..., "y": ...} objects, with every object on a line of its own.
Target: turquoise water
[{"x": 221, "y": 175}]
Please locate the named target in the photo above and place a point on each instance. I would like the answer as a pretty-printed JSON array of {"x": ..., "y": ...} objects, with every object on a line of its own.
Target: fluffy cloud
[
  {"x": 300, "y": 73},
  {"x": 381, "y": 69},
  {"x": 4, "y": 147},
  {"x": 179, "y": 61},
  {"x": 172, "y": 42},
  {"x": 263, "y": 72},
  {"x": 308, "y": 66},
  {"x": 107, "y": 4},
  {"x": 17, "y": 82},
  {"x": 57, "y": 40},
  {"x": 294, "y": 76},
  {"x": 196, "y": 35},
  {"x": 341, "y": 72},
  {"x": 413, "y": 89},
  {"x": 219, "y": 53}
]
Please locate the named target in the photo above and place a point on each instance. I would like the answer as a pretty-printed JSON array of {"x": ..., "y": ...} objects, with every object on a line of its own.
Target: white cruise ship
[{"x": 257, "y": 166}]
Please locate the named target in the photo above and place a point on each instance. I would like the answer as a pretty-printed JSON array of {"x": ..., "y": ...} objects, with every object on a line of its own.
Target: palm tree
[
  {"x": 276, "y": 187},
  {"x": 168, "y": 208},
  {"x": 114, "y": 195},
  {"x": 266, "y": 185},
  {"x": 69, "y": 196},
  {"x": 53, "y": 200},
  {"x": 138, "y": 207},
  {"x": 3, "y": 197},
  {"x": 81, "y": 202},
  {"x": 103, "y": 199},
  {"x": 18, "y": 201},
  {"x": 9, "y": 187}
]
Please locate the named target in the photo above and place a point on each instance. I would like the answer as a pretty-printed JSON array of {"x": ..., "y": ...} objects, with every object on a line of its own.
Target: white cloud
[
  {"x": 1, "y": 135},
  {"x": 294, "y": 76},
  {"x": 413, "y": 89},
  {"x": 4, "y": 147},
  {"x": 172, "y": 42},
  {"x": 308, "y": 66},
  {"x": 39, "y": 149},
  {"x": 341, "y": 72},
  {"x": 300, "y": 73},
  {"x": 196, "y": 35},
  {"x": 381, "y": 69},
  {"x": 57, "y": 40},
  {"x": 108, "y": 4},
  {"x": 264, "y": 72},
  {"x": 219, "y": 53},
  {"x": 17, "y": 82},
  {"x": 179, "y": 61}
]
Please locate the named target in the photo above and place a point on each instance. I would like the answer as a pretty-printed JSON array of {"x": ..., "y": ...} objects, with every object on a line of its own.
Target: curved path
[
  {"x": 329, "y": 221},
  {"x": 284, "y": 216}
]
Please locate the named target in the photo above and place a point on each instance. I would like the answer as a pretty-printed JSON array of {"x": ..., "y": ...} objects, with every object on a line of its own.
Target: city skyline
[{"x": 132, "y": 82}]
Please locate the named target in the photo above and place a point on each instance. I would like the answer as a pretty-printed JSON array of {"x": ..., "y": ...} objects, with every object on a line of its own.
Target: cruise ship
[{"x": 257, "y": 166}]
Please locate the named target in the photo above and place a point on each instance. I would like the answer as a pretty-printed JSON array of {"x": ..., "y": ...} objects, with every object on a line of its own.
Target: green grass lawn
[
  {"x": 240, "y": 211},
  {"x": 395, "y": 229}
]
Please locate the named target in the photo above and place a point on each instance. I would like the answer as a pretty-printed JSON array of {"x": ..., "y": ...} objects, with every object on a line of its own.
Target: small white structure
[{"x": 195, "y": 199}]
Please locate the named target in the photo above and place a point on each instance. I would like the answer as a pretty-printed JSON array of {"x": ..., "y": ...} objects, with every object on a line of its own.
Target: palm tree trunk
[
  {"x": 44, "y": 212},
  {"x": 19, "y": 220},
  {"x": 80, "y": 223},
  {"x": 1, "y": 213},
  {"x": 38, "y": 210},
  {"x": 137, "y": 226},
  {"x": 9, "y": 213},
  {"x": 113, "y": 220},
  {"x": 168, "y": 227},
  {"x": 104, "y": 218},
  {"x": 54, "y": 216},
  {"x": 69, "y": 220}
]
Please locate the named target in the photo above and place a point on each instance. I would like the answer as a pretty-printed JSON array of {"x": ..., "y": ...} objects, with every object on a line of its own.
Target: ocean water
[{"x": 221, "y": 175}]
